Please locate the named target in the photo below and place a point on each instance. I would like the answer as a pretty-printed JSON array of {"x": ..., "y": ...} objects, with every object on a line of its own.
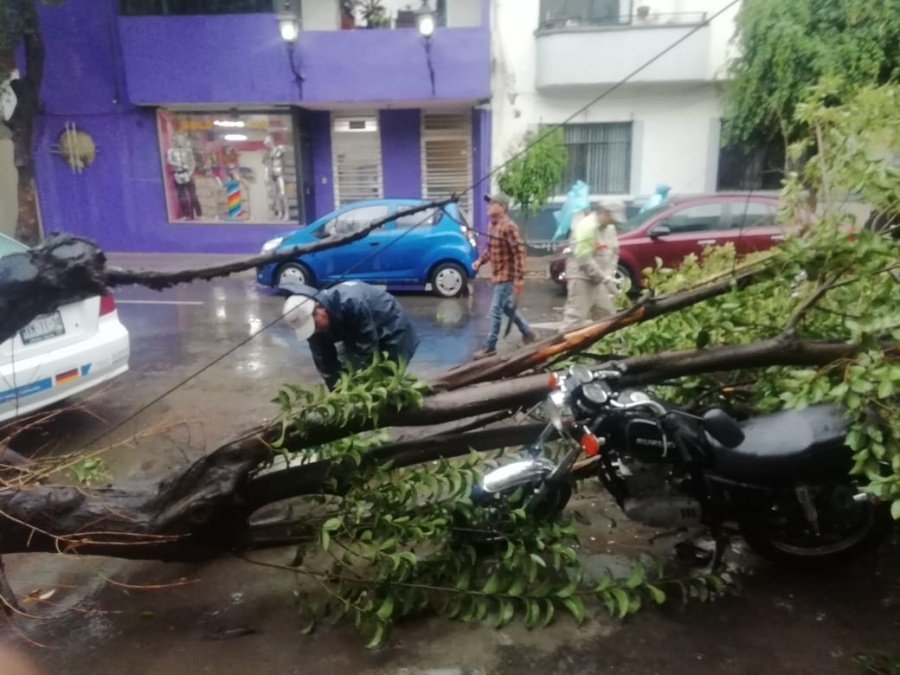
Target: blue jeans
[{"x": 501, "y": 306}]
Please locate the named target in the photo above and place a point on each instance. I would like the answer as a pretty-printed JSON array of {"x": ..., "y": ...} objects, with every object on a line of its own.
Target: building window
[
  {"x": 229, "y": 167},
  {"x": 447, "y": 156},
  {"x": 754, "y": 168},
  {"x": 165, "y": 7},
  {"x": 356, "y": 156},
  {"x": 567, "y": 13},
  {"x": 600, "y": 155},
  {"x": 390, "y": 14}
]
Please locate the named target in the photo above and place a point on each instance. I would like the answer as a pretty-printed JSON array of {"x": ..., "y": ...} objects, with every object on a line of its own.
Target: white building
[{"x": 552, "y": 58}]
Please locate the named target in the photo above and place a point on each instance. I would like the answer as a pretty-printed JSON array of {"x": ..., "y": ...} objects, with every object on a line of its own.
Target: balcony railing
[{"x": 562, "y": 14}]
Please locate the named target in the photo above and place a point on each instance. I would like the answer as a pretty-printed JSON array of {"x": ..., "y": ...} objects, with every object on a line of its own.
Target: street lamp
[
  {"x": 289, "y": 29},
  {"x": 425, "y": 20},
  {"x": 426, "y": 23}
]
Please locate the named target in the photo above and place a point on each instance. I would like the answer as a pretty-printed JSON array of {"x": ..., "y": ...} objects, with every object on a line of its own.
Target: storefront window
[{"x": 229, "y": 167}]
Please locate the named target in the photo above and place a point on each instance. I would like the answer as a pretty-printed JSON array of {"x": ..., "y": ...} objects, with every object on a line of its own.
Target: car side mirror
[
  {"x": 659, "y": 231},
  {"x": 722, "y": 427}
]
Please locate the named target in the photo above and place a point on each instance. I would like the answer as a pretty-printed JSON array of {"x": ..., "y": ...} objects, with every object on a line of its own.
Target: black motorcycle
[{"x": 781, "y": 480}]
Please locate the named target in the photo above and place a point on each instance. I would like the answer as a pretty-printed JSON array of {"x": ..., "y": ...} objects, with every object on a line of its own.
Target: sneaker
[
  {"x": 528, "y": 338},
  {"x": 483, "y": 354}
]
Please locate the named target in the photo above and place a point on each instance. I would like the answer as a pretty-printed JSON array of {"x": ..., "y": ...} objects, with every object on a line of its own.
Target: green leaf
[
  {"x": 895, "y": 510},
  {"x": 604, "y": 583},
  {"x": 493, "y": 582},
  {"x": 387, "y": 608},
  {"x": 575, "y": 607},
  {"x": 622, "y": 601},
  {"x": 326, "y": 540},
  {"x": 703, "y": 339},
  {"x": 333, "y": 524},
  {"x": 637, "y": 576},
  {"x": 570, "y": 588},
  {"x": 548, "y": 613},
  {"x": 378, "y": 635},
  {"x": 658, "y": 595},
  {"x": 505, "y": 614},
  {"x": 538, "y": 560},
  {"x": 517, "y": 588}
]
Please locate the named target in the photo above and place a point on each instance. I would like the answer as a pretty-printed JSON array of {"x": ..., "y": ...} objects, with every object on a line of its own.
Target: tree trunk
[
  {"x": 203, "y": 511},
  {"x": 24, "y": 119}
]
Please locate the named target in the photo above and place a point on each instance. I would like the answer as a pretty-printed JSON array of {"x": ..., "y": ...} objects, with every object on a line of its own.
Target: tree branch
[
  {"x": 161, "y": 280},
  {"x": 66, "y": 268}
]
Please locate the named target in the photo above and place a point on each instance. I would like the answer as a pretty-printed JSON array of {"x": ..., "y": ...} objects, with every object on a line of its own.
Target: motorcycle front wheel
[
  {"x": 845, "y": 528},
  {"x": 493, "y": 525}
]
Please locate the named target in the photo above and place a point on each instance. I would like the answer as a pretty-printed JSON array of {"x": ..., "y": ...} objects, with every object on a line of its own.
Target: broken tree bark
[{"x": 203, "y": 511}]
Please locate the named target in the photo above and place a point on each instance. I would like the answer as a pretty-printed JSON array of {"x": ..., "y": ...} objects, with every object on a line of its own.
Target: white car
[{"x": 79, "y": 346}]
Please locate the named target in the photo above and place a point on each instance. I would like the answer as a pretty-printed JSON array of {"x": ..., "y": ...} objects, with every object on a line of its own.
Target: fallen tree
[{"x": 815, "y": 320}]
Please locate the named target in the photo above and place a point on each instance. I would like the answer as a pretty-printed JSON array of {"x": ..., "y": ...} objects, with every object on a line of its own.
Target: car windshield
[
  {"x": 9, "y": 246},
  {"x": 636, "y": 221}
]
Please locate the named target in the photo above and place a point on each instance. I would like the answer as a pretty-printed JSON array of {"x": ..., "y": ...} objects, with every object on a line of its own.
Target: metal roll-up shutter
[
  {"x": 447, "y": 156},
  {"x": 356, "y": 156}
]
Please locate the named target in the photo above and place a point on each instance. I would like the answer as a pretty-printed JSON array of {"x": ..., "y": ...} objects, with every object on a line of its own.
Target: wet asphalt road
[{"x": 783, "y": 623}]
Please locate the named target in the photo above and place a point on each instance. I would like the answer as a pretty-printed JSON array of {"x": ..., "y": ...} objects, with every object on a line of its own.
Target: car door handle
[
  {"x": 777, "y": 237},
  {"x": 706, "y": 242},
  {"x": 374, "y": 243}
]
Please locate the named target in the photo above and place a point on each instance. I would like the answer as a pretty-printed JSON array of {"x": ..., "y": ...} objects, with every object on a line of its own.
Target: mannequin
[
  {"x": 275, "y": 178},
  {"x": 181, "y": 159}
]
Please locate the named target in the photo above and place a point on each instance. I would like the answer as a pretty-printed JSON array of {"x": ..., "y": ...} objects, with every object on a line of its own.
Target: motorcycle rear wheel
[{"x": 847, "y": 529}]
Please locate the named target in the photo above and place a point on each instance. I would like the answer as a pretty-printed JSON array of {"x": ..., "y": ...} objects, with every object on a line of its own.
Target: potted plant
[{"x": 374, "y": 14}]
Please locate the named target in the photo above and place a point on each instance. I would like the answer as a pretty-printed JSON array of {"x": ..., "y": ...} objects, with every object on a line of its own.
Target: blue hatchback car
[{"x": 431, "y": 250}]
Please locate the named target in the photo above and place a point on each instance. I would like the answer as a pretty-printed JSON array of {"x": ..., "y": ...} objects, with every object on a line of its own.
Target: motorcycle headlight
[
  {"x": 556, "y": 409},
  {"x": 271, "y": 245}
]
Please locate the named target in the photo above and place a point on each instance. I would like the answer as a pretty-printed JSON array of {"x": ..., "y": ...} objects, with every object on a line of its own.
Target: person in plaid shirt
[{"x": 506, "y": 255}]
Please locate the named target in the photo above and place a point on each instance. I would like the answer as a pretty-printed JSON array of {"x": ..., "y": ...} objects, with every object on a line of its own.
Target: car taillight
[{"x": 107, "y": 304}]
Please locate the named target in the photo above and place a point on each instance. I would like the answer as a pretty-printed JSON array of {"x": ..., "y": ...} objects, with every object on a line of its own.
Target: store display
[{"x": 236, "y": 167}]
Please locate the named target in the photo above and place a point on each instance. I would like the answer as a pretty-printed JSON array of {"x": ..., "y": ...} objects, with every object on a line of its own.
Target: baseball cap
[
  {"x": 498, "y": 198},
  {"x": 298, "y": 312},
  {"x": 615, "y": 208}
]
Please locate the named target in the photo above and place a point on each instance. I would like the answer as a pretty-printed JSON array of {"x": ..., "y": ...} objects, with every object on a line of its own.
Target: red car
[{"x": 686, "y": 225}]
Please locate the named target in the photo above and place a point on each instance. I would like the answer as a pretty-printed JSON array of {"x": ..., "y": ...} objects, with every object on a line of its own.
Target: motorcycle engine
[{"x": 654, "y": 498}]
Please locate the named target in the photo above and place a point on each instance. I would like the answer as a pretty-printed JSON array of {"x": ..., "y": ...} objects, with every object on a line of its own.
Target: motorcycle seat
[{"x": 785, "y": 444}]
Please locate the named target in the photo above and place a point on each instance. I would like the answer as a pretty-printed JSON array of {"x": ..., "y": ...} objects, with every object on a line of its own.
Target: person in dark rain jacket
[{"x": 366, "y": 320}]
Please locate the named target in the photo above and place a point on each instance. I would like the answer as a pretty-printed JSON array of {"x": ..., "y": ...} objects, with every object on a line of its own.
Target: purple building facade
[{"x": 206, "y": 142}]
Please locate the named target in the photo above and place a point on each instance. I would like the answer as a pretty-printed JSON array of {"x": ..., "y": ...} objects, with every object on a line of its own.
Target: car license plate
[{"x": 43, "y": 328}]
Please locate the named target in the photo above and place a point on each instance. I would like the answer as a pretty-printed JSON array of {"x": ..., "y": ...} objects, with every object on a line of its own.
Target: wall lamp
[
  {"x": 289, "y": 28},
  {"x": 426, "y": 21}
]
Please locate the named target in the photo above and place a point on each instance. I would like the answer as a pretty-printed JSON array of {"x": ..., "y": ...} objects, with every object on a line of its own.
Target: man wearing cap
[
  {"x": 505, "y": 253},
  {"x": 591, "y": 265},
  {"x": 366, "y": 320}
]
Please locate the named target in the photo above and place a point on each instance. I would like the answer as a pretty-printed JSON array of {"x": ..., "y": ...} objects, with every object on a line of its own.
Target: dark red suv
[{"x": 687, "y": 225}]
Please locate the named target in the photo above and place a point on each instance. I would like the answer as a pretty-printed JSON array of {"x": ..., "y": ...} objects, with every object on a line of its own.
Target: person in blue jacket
[{"x": 366, "y": 320}]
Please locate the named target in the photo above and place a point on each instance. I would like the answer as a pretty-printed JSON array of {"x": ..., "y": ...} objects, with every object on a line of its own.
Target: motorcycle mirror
[{"x": 722, "y": 427}]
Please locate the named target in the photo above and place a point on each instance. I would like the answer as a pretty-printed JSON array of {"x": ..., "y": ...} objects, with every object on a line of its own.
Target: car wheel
[
  {"x": 448, "y": 280},
  {"x": 294, "y": 272},
  {"x": 624, "y": 281}
]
